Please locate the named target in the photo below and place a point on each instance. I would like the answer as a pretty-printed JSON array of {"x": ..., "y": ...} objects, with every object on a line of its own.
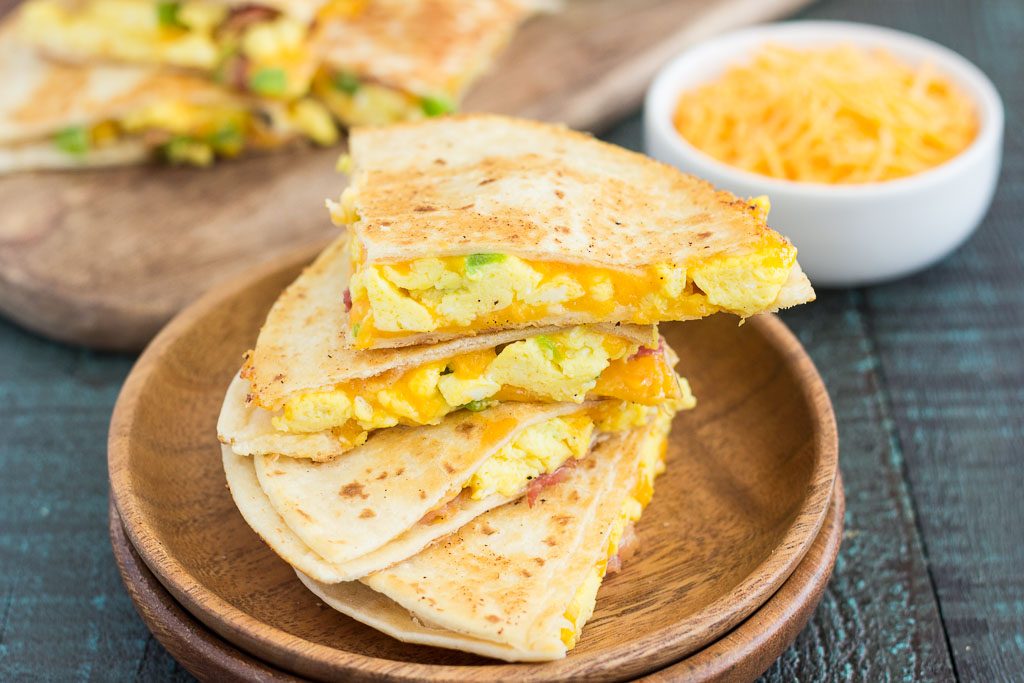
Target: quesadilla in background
[
  {"x": 409, "y": 59},
  {"x": 475, "y": 223},
  {"x": 61, "y": 116},
  {"x": 404, "y": 488},
  {"x": 519, "y": 582},
  {"x": 383, "y": 60},
  {"x": 265, "y": 48},
  {"x": 309, "y": 395}
]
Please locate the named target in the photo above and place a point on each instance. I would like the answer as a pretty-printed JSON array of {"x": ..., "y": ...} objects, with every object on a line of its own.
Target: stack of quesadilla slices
[
  {"x": 452, "y": 420},
  {"x": 109, "y": 82}
]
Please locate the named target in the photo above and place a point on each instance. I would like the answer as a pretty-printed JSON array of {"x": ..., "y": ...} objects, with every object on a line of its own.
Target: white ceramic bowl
[{"x": 846, "y": 234}]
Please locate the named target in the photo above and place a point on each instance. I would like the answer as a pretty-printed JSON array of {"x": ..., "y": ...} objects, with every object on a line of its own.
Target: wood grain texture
[
  {"x": 105, "y": 258},
  {"x": 745, "y": 652},
  {"x": 879, "y": 619},
  {"x": 947, "y": 355},
  {"x": 206, "y": 656},
  {"x": 951, "y": 352},
  {"x": 749, "y": 482},
  {"x": 739, "y": 655}
]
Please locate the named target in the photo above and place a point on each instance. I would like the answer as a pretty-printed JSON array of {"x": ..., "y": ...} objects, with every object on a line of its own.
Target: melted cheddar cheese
[
  {"x": 495, "y": 291},
  {"x": 572, "y": 365},
  {"x": 544, "y": 447}
]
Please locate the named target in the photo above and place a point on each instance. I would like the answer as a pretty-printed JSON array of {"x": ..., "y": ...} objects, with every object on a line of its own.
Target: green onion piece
[
  {"x": 346, "y": 82},
  {"x": 355, "y": 329},
  {"x": 434, "y": 105},
  {"x": 474, "y": 261},
  {"x": 271, "y": 82},
  {"x": 228, "y": 139},
  {"x": 73, "y": 140},
  {"x": 167, "y": 14},
  {"x": 548, "y": 345},
  {"x": 475, "y": 406},
  {"x": 186, "y": 150}
]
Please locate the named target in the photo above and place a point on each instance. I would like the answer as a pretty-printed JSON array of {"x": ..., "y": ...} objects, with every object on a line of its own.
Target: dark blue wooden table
[{"x": 927, "y": 377}]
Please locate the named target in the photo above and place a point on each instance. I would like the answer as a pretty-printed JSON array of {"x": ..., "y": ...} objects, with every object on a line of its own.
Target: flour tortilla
[
  {"x": 44, "y": 156},
  {"x": 474, "y": 183},
  {"x": 302, "y": 345},
  {"x": 261, "y": 516},
  {"x": 479, "y": 183},
  {"x": 424, "y": 47},
  {"x": 342, "y": 519},
  {"x": 41, "y": 98},
  {"x": 500, "y": 585}
]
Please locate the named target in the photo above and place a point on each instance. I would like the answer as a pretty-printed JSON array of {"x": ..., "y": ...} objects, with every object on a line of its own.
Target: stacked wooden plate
[{"x": 736, "y": 547}]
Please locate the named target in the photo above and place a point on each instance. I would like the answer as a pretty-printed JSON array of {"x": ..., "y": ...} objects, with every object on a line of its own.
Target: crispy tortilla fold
[
  {"x": 41, "y": 98},
  {"x": 302, "y": 345},
  {"x": 424, "y": 47},
  {"x": 500, "y": 586},
  {"x": 427, "y": 189},
  {"x": 480, "y": 184},
  {"x": 359, "y": 513}
]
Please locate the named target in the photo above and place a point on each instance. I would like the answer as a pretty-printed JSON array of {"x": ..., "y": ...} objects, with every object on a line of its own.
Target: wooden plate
[
  {"x": 105, "y": 258},
  {"x": 750, "y": 477},
  {"x": 741, "y": 655}
]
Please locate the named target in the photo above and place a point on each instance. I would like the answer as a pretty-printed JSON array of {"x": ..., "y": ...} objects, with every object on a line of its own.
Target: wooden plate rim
[
  {"x": 280, "y": 647},
  {"x": 753, "y": 645}
]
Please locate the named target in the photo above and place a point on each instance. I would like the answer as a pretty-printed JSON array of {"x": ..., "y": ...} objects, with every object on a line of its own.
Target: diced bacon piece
[
  {"x": 346, "y": 296},
  {"x": 243, "y": 16},
  {"x": 628, "y": 545},
  {"x": 549, "y": 479},
  {"x": 648, "y": 351},
  {"x": 234, "y": 72},
  {"x": 442, "y": 511}
]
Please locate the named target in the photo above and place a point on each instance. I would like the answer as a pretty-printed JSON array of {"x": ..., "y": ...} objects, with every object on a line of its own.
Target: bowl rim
[{"x": 663, "y": 94}]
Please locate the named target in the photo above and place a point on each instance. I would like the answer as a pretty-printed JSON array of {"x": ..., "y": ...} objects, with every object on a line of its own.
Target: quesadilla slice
[
  {"x": 303, "y": 392},
  {"x": 519, "y": 582},
  {"x": 265, "y": 48},
  {"x": 60, "y": 116},
  {"x": 475, "y": 223},
  {"x": 402, "y": 60},
  {"x": 406, "y": 487},
  {"x": 382, "y": 60}
]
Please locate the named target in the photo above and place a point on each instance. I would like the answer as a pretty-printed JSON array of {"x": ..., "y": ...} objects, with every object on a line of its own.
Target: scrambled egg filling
[
  {"x": 252, "y": 47},
  {"x": 543, "y": 448},
  {"x": 538, "y": 450},
  {"x": 483, "y": 291},
  {"x": 652, "y": 463},
  {"x": 567, "y": 366},
  {"x": 357, "y": 102},
  {"x": 197, "y": 134}
]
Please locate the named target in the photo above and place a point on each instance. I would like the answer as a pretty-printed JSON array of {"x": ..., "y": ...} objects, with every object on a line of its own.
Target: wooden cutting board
[{"x": 105, "y": 258}]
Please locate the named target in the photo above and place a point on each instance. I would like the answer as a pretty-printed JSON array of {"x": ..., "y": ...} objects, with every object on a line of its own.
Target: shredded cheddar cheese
[{"x": 835, "y": 115}]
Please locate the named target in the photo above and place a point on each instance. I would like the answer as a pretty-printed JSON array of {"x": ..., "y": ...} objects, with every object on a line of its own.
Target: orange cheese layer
[
  {"x": 744, "y": 284},
  {"x": 425, "y": 394}
]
